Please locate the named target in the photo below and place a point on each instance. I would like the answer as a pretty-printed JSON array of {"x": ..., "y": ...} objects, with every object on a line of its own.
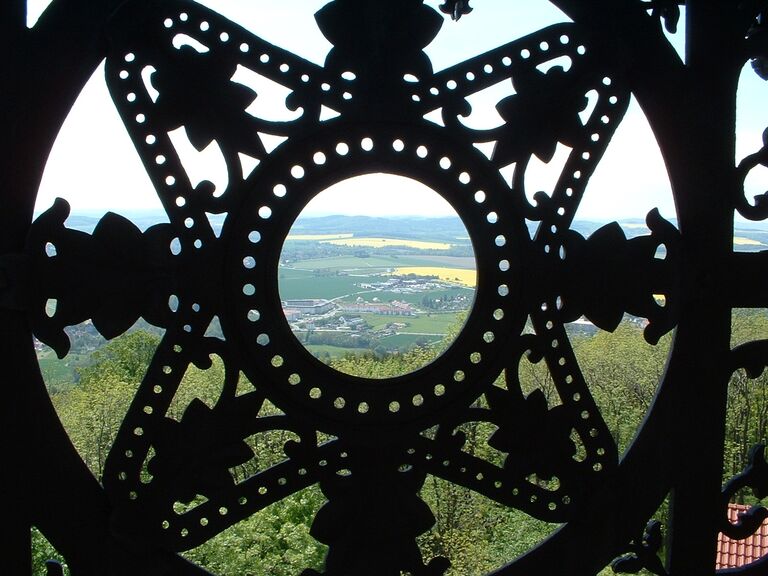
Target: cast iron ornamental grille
[{"x": 170, "y": 65}]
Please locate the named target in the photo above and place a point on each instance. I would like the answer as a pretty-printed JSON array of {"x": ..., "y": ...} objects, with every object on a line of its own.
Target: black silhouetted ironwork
[{"x": 170, "y": 65}]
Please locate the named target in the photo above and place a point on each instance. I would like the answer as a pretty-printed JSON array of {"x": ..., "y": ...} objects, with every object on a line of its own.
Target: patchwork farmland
[{"x": 345, "y": 293}]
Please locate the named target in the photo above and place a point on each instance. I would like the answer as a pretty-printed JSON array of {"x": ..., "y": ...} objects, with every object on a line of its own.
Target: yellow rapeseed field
[
  {"x": 318, "y": 236},
  {"x": 383, "y": 242},
  {"x": 740, "y": 241},
  {"x": 458, "y": 275}
]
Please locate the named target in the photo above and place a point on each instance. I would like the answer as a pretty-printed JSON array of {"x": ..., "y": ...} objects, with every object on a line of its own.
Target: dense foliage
[{"x": 474, "y": 532}]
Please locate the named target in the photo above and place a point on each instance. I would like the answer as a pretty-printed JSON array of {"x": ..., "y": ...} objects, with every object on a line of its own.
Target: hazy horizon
[
  {"x": 630, "y": 180},
  {"x": 96, "y": 214}
]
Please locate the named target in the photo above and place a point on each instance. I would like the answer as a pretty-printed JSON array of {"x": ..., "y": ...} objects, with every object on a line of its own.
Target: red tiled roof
[{"x": 737, "y": 553}]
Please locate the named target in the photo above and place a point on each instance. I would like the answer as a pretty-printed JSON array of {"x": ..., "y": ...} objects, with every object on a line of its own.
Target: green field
[
  {"x": 380, "y": 263},
  {"x": 290, "y": 274},
  {"x": 338, "y": 263},
  {"x": 295, "y": 285},
  {"x": 416, "y": 298},
  {"x": 339, "y": 277},
  {"x": 432, "y": 324}
]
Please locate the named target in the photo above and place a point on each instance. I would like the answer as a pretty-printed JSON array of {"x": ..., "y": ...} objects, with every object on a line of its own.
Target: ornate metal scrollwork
[
  {"x": 755, "y": 476},
  {"x": 643, "y": 553},
  {"x": 172, "y": 71},
  {"x": 758, "y": 210}
]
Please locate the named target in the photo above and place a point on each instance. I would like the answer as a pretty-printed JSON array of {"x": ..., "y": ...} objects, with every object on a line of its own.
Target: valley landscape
[
  {"x": 363, "y": 285},
  {"x": 376, "y": 297},
  {"x": 387, "y": 291}
]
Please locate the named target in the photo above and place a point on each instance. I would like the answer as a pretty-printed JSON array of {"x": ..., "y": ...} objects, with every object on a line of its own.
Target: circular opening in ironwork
[{"x": 377, "y": 276}]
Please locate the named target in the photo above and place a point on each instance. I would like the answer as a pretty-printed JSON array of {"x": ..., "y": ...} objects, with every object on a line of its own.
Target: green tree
[
  {"x": 42, "y": 552},
  {"x": 274, "y": 541},
  {"x": 478, "y": 535},
  {"x": 93, "y": 411},
  {"x": 126, "y": 357},
  {"x": 382, "y": 365},
  {"x": 623, "y": 373},
  {"x": 475, "y": 533},
  {"x": 747, "y": 407}
]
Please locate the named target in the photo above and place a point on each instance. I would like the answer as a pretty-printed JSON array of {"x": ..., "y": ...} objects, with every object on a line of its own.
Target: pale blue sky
[{"x": 95, "y": 167}]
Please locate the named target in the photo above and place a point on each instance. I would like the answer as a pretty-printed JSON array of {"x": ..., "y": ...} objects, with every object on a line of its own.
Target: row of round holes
[
  {"x": 280, "y": 190},
  {"x": 505, "y": 61},
  {"x": 265, "y": 58},
  {"x": 262, "y": 491},
  {"x": 585, "y": 156},
  {"x": 498, "y": 484},
  {"x": 244, "y": 47},
  {"x": 151, "y": 140},
  {"x": 585, "y": 415},
  {"x": 319, "y": 158},
  {"x": 223, "y": 37},
  {"x": 170, "y": 180},
  {"x": 277, "y": 361},
  {"x": 139, "y": 431},
  {"x": 366, "y": 146},
  {"x": 576, "y": 175},
  {"x": 315, "y": 393},
  {"x": 298, "y": 172}
]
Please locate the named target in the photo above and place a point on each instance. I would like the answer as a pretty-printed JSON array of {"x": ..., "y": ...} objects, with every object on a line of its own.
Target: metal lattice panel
[{"x": 375, "y": 454}]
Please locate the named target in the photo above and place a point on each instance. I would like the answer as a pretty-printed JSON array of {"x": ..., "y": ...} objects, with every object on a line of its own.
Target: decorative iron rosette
[{"x": 171, "y": 66}]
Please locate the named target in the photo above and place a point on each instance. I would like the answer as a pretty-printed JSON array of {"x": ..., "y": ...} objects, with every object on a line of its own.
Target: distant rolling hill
[{"x": 748, "y": 236}]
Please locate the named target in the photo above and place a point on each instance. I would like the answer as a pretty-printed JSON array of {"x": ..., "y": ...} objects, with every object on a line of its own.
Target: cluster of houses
[
  {"x": 296, "y": 310},
  {"x": 394, "y": 308},
  {"x": 404, "y": 284}
]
